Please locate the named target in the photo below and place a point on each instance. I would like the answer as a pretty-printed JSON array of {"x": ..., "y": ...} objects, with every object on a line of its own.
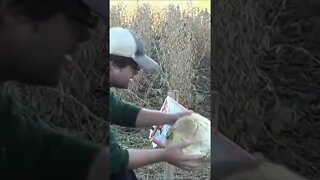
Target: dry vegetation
[
  {"x": 266, "y": 69},
  {"x": 179, "y": 39}
]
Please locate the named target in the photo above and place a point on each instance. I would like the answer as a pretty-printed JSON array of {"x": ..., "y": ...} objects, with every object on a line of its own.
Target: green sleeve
[
  {"x": 32, "y": 150},
  {"x": 122, "y": 113},
  {"x": 119, "y": 157}
]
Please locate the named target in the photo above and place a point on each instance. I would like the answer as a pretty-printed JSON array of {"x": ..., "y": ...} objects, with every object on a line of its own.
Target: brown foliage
[
  {"x": 179, "y": 39},
  {"x": 266, "y": 70}
]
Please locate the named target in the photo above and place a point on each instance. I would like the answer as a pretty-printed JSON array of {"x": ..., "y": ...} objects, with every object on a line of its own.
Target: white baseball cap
[
  {"x": 126, "y": 43},
  {"x": 98, "y": 6}
]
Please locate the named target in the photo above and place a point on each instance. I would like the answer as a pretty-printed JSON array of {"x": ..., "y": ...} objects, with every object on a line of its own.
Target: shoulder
[
  {"x": 115, "y": 100},
  {"x": 5, "y": 100},
  {"x": 8, "y": 106},
  {"x": 27, "y": 135},
  {"x": 113, "y": 97}
]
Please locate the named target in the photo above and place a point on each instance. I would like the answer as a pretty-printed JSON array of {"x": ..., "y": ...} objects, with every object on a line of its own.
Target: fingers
[
  {"x": 190, "y": 157},
  {"x": 198, "y": 158},
  {"x": 189, "y": 112},
  {"x": 182, "y": 161},
  {"x": 187, "y": 168},
  {"x": 185, "y": 144},
  {"x": 191, "y": 162},
  {"x": 185, "y": 113},
  {"x": 189, "y": 165}
]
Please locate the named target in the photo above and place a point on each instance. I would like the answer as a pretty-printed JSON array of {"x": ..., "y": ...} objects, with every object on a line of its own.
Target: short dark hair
[
  {"x": 41, "y": 10},
  {"x": 123, "y": 62}
]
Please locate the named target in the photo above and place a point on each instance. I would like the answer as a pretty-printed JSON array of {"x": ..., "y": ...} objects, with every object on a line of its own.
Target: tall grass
[
  {"x": 267, "y": 75},
  {"x": 179, "y": 40}
]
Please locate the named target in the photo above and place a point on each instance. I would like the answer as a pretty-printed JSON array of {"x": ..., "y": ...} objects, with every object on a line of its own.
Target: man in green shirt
[
  {"x": 35, "y": 38},
  {"x": 127, "y": 56}
]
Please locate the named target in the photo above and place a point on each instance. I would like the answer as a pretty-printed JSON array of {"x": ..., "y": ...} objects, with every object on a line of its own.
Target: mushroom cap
[{"x": 195, "y": 128}]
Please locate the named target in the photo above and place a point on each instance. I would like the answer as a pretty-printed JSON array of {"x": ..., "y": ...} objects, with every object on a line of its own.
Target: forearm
[
  {"x": 149, "y": 118},
  {"x": 140, "y": 158}
]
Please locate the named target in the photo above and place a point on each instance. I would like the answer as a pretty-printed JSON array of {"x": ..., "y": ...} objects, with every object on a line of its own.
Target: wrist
[
  {"x": 168, "y": 118},
  {"x": 140, "y": 158},
  {"x": 162, "y": 155}
]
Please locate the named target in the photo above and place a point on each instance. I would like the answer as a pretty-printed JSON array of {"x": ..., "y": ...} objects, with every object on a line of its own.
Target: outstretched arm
[
  {"x": 172, "y": 154},
  {"x": 148, "y": 117},
  {"x": 140, "y": 158}
]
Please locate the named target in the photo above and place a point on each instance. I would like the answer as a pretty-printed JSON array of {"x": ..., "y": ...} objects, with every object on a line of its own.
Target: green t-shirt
[
  {"x": 122, "y": 114},
  {"x": 30, "y": 149}
]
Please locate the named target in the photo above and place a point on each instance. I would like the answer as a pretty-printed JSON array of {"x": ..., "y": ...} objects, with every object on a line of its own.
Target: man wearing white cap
[{"x": 126, "y": 57}]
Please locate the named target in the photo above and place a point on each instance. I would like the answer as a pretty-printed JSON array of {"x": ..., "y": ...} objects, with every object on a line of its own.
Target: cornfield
[{"x": 179, "y": 40}]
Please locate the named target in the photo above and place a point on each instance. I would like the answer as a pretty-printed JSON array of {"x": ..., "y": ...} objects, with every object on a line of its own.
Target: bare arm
[
  {"x": 148, "y": 117},
  {"x": 172, "y": 154},
  {"x": 99, "y": 170},
  {"x": 140, "y": 158}
]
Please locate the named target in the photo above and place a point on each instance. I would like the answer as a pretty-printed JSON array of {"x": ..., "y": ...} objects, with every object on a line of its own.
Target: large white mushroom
[{"x": 195, "y": 128}]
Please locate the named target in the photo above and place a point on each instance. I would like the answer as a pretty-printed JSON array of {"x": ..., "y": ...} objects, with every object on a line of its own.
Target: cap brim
[
  {"x": 146, "y": 63},
  {"x": 98, "y": 6}
]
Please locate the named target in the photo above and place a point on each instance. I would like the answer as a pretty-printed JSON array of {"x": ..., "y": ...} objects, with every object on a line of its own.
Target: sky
[{"x": 162, "y": 3}]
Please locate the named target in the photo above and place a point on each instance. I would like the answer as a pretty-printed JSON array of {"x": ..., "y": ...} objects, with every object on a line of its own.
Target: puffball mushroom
[{"x": 195, "y": 128}]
